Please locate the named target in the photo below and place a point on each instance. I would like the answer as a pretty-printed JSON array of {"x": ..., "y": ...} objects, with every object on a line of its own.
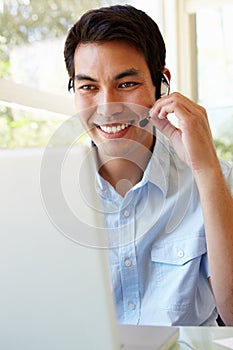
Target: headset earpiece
[
  {"x": 164, "y": 86},
  {"x": 71, "y": 84}
]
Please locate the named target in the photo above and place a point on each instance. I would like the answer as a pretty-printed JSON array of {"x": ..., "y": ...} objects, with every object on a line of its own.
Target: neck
[{"x": 124, "y": 173}]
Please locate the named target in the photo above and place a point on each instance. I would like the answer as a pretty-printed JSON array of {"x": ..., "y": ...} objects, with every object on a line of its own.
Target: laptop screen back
[{"x": 55, "y": 291}]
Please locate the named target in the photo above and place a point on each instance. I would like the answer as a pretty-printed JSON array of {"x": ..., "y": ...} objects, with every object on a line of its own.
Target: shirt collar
[
  {"x": 157, "y": 170},
  {"x": 106, "y": 190}
]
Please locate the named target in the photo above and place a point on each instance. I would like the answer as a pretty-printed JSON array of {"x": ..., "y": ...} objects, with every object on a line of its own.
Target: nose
[
  {"x": 110, "y": 109},
  {"x": 109, "y": 104}
]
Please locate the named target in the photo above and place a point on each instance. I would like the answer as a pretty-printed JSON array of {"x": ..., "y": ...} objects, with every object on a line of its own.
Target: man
[{"x": 166, "y": 196}]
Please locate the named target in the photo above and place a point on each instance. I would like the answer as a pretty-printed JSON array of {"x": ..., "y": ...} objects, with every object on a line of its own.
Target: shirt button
[
  {"x": 132, "y": 306},
  {"x": 126, "y": 213},
  {"x": 180, "y": 253},
  {"x": 128, "y": 262}
]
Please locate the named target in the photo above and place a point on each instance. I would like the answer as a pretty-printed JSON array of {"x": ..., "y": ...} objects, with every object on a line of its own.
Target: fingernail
[{"x": 150, "y": 113}]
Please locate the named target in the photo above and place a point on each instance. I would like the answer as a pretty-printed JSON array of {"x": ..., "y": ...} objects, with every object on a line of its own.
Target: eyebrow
[
  {"x": 80, "y": 77},
  {"x": 127, "y": 73}
]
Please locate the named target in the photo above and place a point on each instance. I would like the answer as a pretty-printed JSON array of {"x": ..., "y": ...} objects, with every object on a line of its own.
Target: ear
[
  {"x": 165, "y": 84},
  {"x": 166, "y": 72}
]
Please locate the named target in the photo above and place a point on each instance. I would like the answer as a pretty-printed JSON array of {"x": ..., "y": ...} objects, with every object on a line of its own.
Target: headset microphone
[
  {"x": 163, "y": 92},
  {"x": 144, "y": 122}
]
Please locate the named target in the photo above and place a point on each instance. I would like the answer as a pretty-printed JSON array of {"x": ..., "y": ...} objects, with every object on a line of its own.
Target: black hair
[{"x": 121, "y": 23}]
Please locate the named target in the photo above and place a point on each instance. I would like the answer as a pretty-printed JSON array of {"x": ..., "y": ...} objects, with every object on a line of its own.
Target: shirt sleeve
[
  {"x": 230, "y": 181},
  {"x": 205, "y": 266},
  {"x": 227, "y": 170}
]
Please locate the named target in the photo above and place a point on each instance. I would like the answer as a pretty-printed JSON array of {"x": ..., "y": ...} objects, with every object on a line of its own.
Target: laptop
[{"x": 55, "y": 290}]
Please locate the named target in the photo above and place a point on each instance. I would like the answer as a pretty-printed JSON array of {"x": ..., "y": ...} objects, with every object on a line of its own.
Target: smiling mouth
[{"x": 115, "y": 128}]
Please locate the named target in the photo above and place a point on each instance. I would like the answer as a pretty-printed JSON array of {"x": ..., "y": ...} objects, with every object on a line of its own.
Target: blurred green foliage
[
  {"x": 224, "y": 150},
  {"x": 27, "y": 21},
  {"x": 26, "y": 130}
]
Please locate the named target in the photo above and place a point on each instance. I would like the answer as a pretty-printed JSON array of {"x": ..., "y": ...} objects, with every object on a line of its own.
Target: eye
[
  {"x": 128, "y": 84},
  {"x": 87, "y": 87}
]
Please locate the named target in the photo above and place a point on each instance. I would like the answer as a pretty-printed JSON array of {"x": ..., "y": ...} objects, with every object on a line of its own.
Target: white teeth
[{"x": 113, "y": 129}]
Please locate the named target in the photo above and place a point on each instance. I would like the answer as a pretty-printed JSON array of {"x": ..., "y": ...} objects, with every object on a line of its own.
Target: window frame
[{"x": 178, "y": 26}]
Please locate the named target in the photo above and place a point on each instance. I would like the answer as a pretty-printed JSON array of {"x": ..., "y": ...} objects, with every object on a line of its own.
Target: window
[
  {"x": 34, "y": 100},
  {"x": 215, "y": 69},
  {"x": 33, "y": 78},
  {"x": 200, "y": 55}
]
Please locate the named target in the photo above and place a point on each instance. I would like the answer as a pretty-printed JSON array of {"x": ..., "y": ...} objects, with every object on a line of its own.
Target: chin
[{"x": 120, "y": 148}]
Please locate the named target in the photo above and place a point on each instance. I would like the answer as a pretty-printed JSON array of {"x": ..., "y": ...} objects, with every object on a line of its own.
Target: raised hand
[{"x": 192, "y": 139}]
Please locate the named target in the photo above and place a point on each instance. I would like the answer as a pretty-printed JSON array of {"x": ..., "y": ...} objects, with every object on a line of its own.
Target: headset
[
  {"x": 165, "y": 85},
  {"x": 71, "y": 84},
  {"x": 164, "y": 90}
]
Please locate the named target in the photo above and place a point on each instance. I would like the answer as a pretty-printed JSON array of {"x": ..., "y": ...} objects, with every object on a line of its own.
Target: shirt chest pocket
[{"x": 175, "y": 261}]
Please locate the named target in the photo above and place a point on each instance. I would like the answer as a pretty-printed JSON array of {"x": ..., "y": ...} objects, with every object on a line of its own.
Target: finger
[
  {"x": 177, "y": 98},
  {"x": 166, "y": 127},
  {"x": 180, "y": 112},
  {"x": 178, "y": 104}
]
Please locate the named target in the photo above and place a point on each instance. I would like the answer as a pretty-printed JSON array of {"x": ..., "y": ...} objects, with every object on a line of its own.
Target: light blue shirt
[{"x": 157, "y": 246}]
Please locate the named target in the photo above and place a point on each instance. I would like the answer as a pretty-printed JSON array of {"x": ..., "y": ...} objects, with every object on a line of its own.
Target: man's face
[{"x": 113, "y": 92}]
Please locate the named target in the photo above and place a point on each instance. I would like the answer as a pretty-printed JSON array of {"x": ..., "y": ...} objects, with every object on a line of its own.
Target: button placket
[
  {"x": 128, "y": 262},
  {"x": 131, "y": 306},
  {"x": 126, "y": 213},
  {"x": 128, "y": 269},
  {"x": 180, "y": 253}
]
